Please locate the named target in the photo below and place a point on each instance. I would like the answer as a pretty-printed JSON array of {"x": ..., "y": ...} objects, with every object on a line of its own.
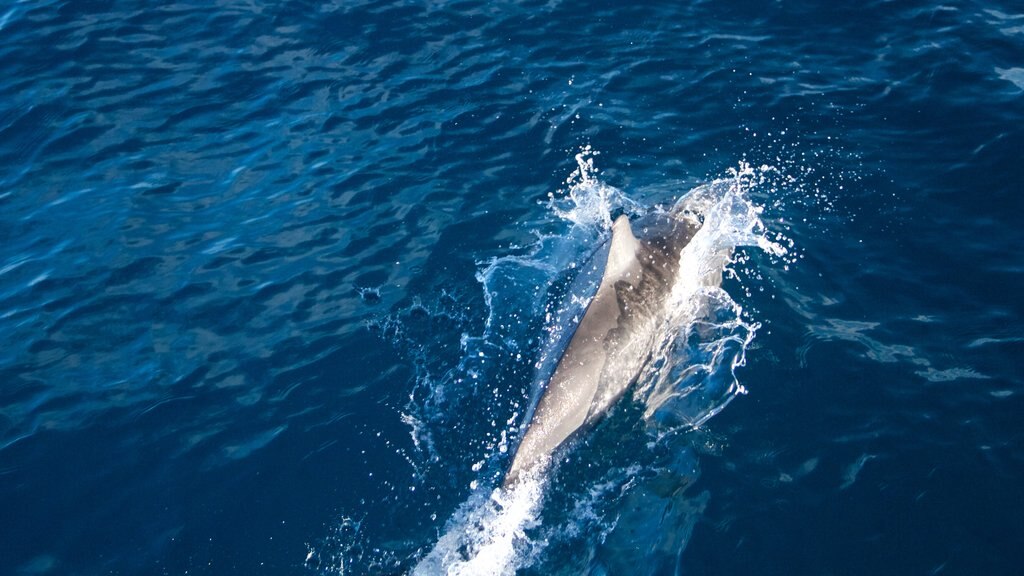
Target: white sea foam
[{"x": 487, "y": 535}]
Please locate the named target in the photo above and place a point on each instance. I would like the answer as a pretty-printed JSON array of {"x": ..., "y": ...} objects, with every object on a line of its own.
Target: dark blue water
[{"x": 246, "y": 327}]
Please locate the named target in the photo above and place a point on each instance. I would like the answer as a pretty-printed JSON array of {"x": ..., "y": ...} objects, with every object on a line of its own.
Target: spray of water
[
  {"x": 691, "y": 375},
  {"x": 705, "y": 334}
]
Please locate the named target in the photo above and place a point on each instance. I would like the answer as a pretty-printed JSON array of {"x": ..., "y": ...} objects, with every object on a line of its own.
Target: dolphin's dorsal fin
[{"x": 622, "y": 255}]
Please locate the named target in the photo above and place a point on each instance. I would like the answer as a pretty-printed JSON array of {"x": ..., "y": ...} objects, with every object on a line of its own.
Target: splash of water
[
  {"x": 705, "y": 335},
  {"x": 691, "y": 377},
  {"x": 588, "y": 202}
]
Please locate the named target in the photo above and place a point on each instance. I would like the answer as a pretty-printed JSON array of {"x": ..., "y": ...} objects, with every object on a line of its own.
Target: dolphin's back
[{"x": 612, "y": 340}]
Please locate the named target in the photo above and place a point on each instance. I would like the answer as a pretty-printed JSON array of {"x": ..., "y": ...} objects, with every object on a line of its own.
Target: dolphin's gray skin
[{"x": 614, "y": 338}]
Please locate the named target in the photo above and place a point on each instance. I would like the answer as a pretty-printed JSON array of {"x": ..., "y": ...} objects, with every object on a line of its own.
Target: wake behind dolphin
[{"x": 641, "y": 293}]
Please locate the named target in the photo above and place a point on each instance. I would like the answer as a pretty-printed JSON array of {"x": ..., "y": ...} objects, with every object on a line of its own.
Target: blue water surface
[{"x": 240, "y": 247}]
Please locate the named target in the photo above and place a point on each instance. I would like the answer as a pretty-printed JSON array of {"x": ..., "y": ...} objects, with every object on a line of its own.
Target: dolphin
[{"x": 613, "y": 339}]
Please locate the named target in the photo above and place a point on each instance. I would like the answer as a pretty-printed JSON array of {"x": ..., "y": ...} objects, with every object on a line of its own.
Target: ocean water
[{"x": 276, "y": 280}]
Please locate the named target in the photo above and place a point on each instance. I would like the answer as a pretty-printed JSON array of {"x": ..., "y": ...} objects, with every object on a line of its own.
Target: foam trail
[{"x": 487, "y": 537}]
